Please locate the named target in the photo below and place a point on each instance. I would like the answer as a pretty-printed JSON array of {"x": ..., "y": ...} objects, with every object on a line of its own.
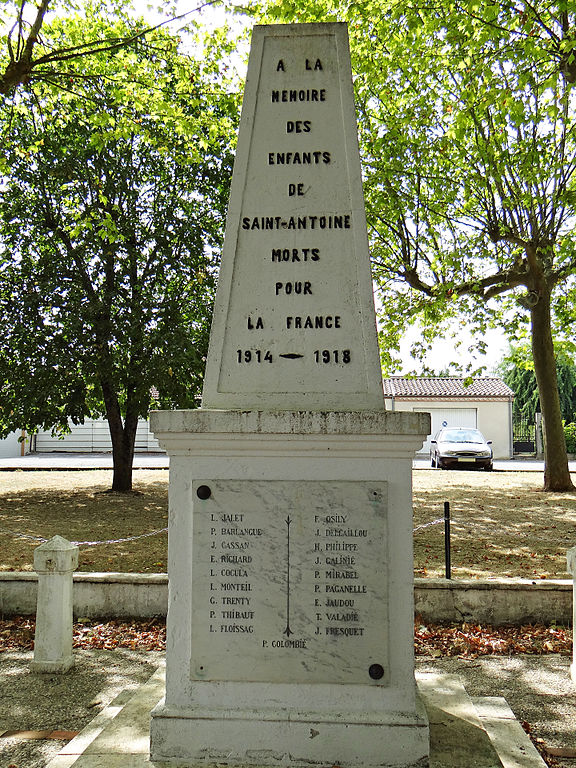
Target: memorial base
[
  {"x": 236, "y": 737},
  {"x": 52, "y": 667},
  {"x": 290, "y": 618}
]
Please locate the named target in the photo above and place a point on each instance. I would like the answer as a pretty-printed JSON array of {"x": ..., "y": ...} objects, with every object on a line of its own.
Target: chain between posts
[
  {"x": 461, "y": 527},
  {"x": 86, "y": 543},
  {"x": 427, "y": 525},
  {"x": 23, "y": 535},
  {"x": 468, "y": 524},
  {"x": 119, "y": 541}
]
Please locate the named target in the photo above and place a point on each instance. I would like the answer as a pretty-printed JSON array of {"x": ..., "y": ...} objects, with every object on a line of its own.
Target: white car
[{"x": 462, "y": 447}]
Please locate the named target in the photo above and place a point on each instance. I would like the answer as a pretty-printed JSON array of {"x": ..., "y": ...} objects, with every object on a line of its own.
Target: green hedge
[{"x": 570, "y": 432}]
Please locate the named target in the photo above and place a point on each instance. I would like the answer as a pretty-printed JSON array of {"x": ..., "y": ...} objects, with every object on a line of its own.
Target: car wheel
[{"x": 489, "y": 467}]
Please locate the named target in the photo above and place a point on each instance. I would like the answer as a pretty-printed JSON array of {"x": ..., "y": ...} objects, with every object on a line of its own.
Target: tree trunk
[
  {"x": 123, "y": 436},
  {"x": 556, "y": 472},
  {"x": 123, "y": 439}
]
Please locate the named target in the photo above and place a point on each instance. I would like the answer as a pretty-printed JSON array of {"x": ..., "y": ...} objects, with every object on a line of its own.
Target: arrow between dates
[{"x": 288, "y": 631}]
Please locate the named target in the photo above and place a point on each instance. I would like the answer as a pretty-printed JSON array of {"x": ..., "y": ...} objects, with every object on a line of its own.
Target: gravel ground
[
  {"x": 40, "y": 702},
  {"x": 538, "y": 689}
]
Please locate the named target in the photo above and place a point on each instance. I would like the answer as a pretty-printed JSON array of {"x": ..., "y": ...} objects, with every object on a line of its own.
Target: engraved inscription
[
  {"x": 265, "y": 223},
  {"x": 295, "y": 254},
  {"x": 301, "y": 153},
  {"x": 299, "y": 158},
  {"x": 298, "y": 126},
  {"x": 293, "y": 95}
]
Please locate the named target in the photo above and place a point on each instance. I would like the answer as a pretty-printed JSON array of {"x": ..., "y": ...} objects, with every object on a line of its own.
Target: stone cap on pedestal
[
  {"x": 57, "y": 555},
  {"x": 204, "y": 420}
]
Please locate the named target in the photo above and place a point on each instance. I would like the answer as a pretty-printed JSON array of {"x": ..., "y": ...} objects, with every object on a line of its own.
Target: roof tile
[{"x": 448, "y": 386}]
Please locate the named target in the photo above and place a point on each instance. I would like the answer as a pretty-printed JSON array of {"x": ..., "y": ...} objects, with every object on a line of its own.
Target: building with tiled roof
[
  {"x": 446, "y": 386},
  {"x": 485, "y": 403}
]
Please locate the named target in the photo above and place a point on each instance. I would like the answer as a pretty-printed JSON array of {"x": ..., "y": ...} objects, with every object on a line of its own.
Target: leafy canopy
[
  {"x": 28, "y": 55},
  {"x": 467, "y": 127},
  {"x": 112, "y": 204}
]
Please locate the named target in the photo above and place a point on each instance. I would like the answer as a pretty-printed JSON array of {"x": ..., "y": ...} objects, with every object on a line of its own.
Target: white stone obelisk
[
  {"x": 290, "y": 623},
  {"x": 294, "y": 324}
]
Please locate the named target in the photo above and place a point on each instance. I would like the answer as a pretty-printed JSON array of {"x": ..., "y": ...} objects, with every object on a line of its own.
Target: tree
[
  {"x": 112, "y": 206},
  {"x": 517, "y": 370},
  {"x": 25, "y": 58},
  {"x": 468, "y": 132}
]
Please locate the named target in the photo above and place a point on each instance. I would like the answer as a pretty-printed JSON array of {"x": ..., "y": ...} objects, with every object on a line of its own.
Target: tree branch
[{"x": 20, "y": 69}]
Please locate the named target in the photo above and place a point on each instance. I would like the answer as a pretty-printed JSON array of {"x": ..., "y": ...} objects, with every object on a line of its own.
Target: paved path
[
  {"x": 503, "y": 465},
  {"x": 482, "y": 732},
  {"x": 63, "y": 460}
]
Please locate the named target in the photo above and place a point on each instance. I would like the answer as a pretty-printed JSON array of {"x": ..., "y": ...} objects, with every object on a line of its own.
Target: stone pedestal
[
  {"x": 55, "y": 562},
  {"x": 571, "y": 567},
  {"x": 290, "y": 621}
]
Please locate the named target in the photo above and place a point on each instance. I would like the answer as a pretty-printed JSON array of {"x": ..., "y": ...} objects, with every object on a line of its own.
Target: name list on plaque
[
  {"x": 289, "y": 578},
  {"x": 294, "y": 321}
]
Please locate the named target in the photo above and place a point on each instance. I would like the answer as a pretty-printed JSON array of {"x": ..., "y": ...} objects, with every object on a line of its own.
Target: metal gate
[{"x": 524, "y": 436}]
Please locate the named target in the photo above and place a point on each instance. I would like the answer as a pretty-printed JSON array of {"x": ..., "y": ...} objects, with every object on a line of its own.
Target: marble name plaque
[{"x": 289, "y": 581}]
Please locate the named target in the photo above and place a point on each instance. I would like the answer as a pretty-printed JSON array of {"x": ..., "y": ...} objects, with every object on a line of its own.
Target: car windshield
[{"x": 462, "y": 436}]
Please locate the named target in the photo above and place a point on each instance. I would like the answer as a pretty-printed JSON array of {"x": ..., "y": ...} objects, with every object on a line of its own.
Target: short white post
[
  {"x": 571, "y": 561},
  {"x": 54, "y": 562}
]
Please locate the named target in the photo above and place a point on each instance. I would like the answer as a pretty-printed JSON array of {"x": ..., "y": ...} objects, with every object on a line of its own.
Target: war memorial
[{"x": 290, "y": 623}]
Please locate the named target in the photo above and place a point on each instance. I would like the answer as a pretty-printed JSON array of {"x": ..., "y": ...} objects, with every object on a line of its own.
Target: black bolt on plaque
[
  {"x": 203, "y": 492},
  {"x": 376, "y": 671}
]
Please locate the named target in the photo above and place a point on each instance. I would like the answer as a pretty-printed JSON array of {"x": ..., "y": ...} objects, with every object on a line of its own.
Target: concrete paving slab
[
  {"x": 63, "y": 761},
  {"x": 514, "y": 748},
  {"x": 456, "y": 732},
  {"x": 108, "y": 761},
  {"x": 483, "y": 732},
  {"x": 86, "y": 737},
  {"x": 127, "y": 730}
]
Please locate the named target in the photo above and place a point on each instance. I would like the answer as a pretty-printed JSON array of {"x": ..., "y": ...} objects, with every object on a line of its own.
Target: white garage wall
[
  {"x": 493, "y": 418},
  {"x": 93, "y": 437},
  {"x": 11, "y": 447}
]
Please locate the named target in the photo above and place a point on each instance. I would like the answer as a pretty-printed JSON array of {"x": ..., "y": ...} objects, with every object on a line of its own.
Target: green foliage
[
  {"x": 467, "y": 128},
  {"x": 28, "y": 56},
  {"x": 467, "y": 123},
  {"x": 517, "y": 370},
  {"x": 570, "y": 434},
  {"x": 522, "y": 381},
  {"x": 112, "y": 208}
]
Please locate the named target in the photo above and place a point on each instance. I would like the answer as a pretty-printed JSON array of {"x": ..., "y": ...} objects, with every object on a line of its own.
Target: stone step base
[{"x": 482, "y": 732}]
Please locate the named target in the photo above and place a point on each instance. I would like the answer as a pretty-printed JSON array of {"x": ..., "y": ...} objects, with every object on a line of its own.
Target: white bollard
[
  {"x": 54, "y": 562},
  {"x": 571, "y": 562}
]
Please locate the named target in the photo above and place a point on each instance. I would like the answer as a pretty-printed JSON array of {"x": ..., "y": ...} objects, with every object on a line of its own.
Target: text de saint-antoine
[{"x": 328, "y": 221}]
